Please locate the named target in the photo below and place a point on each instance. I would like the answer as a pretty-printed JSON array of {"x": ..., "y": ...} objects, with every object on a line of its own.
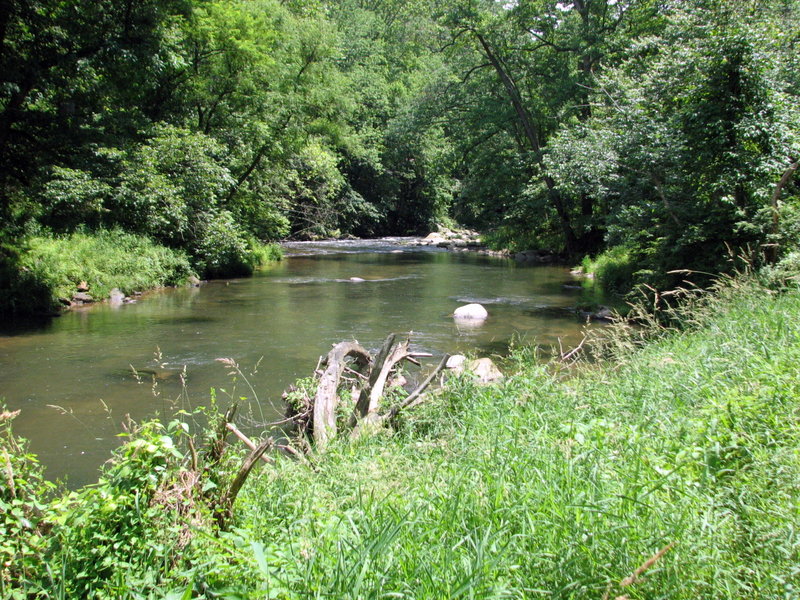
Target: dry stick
[
  {"x": 247, "y": 441},
  {"x": 415, "y": 397},
  {"x": 289, "y": 419},
  {"x": 574, "y": 351},
  {"x": 230, "y": 497},
  {"x": 354, "y": 372},
  {"x": 293, "y": 451},
  {"x": 634, "y": 577},
  {"x": 193, "y": 452}
]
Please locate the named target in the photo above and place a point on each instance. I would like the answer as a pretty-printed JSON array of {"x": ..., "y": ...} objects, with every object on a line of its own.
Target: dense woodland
[{"x": 665, "y": 133}]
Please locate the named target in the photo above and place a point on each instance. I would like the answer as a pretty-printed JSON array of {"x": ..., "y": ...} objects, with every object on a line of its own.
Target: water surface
[{"x": 72, "y": 377}]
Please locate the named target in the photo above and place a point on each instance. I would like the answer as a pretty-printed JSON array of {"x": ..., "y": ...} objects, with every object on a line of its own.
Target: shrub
[
  {"x": 169, "y": 183},
  {"x": 23, "y": 512},
  {"x": 223, "y": 249},
  {"x": 614, "y": 269}
]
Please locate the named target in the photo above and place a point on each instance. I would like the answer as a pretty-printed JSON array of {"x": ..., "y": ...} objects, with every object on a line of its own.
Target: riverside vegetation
[{"x": 665, "y": 468}]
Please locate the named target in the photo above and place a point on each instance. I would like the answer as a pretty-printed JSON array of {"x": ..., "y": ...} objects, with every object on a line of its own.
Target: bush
[
  {"x": 23, "y": 510},
  {"x": 168, "y": 184},
  {"x": 223, "y": 249},
  {"x": 614, "y": 269}
]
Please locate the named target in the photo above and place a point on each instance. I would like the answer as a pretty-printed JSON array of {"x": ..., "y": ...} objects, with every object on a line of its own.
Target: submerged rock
[
  {"x": 116, "y": 297},
  {"x": 599, "y": 313}
]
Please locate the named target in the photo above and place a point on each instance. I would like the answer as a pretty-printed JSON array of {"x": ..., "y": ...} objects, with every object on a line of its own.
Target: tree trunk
[{"x": 570, "y": 239}]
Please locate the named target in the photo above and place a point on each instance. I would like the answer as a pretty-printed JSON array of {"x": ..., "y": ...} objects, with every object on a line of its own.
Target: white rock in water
[
  {"x": 356, "y": 279},
  {"x": 116, "y": 297},
  {"x": 471, "y": 311}
]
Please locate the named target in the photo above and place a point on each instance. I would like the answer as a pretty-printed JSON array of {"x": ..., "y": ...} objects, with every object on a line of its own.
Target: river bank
[
  {"x": 42, "y": 275},
  {"x": 669, "y": 471}
]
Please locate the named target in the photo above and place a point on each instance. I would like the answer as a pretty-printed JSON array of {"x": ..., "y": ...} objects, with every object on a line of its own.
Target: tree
[
  {"x": 61, "y": 64},
  {"x": 690, "y": 138}
]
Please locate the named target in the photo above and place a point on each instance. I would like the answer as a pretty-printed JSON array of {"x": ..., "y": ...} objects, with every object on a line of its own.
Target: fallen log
[
  {"x": 367, "y": 410},
  {"x": 371, "y": 395}
]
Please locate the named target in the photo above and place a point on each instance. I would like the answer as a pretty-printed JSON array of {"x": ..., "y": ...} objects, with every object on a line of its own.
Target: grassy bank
[
  {"x": 671, "y": 471},
  {"x": 41, "y": 273}
]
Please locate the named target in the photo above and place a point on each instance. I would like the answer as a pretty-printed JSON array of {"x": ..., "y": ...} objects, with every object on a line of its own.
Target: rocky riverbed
[{"x": 465, "y": 240}]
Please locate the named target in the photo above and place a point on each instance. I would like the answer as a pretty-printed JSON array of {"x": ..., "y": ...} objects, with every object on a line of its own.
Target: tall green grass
[
  {"x": 46, "y": 269},
  {"x": 614, "y": 269},
  {"x": 41, "y": 272}
]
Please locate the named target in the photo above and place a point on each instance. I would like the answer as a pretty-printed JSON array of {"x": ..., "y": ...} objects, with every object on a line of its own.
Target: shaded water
[{"x": 72, "y": 377}]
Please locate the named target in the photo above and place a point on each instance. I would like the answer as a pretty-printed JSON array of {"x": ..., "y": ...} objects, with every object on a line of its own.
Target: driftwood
[
  {"x": 416, "y": 397},
  {"x": 326, "y": 399},
  {"x": 389, "y": 356},
  {"x": 367, "y": 410},
  {"x": 247, "y": 442},
  {"x": 225, "y": 509},
  {"x": 371, "y": 376}
]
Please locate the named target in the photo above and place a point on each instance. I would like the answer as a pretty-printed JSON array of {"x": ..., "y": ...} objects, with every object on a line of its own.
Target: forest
[{"x": 646, "y": 136}]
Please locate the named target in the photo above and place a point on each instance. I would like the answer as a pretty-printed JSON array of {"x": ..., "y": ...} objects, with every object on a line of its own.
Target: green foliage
[
  {"x": 651, "y": 148},
  {"x": 569, "y": 126},
  {"x": 567, "y": 485},
  {"x": 169, "y": 185},
  {"x": 47, "y": 269},
  {"x": 121, "y": 511},
  {"x": 72, "y": 198},
  {"x": 24, "y": 511},
  {"x": 224, "y": 250}
]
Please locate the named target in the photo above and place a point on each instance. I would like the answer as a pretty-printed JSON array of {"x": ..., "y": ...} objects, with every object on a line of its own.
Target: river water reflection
[{"x": 72, "y": 377}]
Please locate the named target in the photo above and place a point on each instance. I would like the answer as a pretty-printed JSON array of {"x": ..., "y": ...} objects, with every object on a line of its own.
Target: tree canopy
[{"x": 667, "y": 128}]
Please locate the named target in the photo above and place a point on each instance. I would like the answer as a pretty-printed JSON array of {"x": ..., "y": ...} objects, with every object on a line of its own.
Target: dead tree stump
[{"x": 326, "y": 398}]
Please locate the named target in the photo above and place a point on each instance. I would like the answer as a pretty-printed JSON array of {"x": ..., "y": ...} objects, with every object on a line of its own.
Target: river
[{"x": 73, "y": 380}]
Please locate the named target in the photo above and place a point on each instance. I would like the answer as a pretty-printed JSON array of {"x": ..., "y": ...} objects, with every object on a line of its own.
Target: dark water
[{"x": 72, "y": 377}]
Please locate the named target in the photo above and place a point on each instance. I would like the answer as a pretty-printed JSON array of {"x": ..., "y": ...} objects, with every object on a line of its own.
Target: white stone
[
  {"x": 456, "y": 361},
  {"x": 471, "y": 311},
  {"x": 485, "y": 370}
]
